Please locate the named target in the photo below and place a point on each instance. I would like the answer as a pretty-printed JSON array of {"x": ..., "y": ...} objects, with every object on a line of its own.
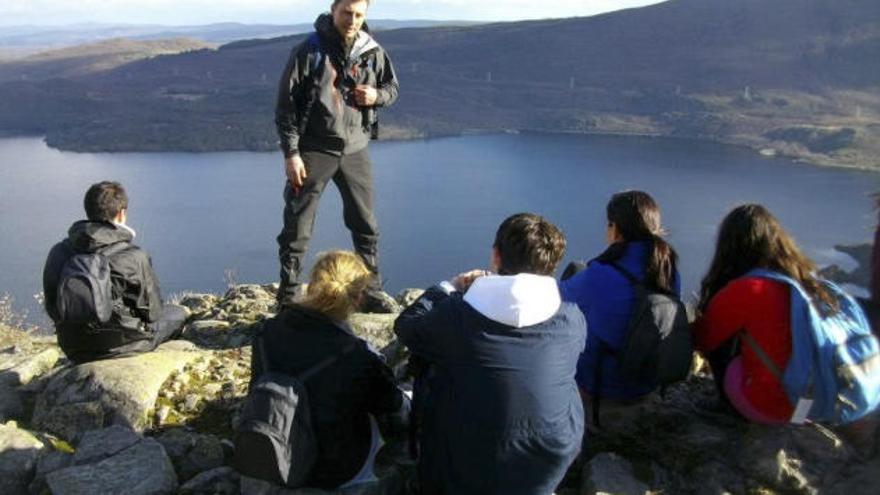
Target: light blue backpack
[{"x": 833, "y": 374}]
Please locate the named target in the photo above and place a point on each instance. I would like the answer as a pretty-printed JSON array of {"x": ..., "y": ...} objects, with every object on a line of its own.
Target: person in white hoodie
[{"x": 500, "y": 410}]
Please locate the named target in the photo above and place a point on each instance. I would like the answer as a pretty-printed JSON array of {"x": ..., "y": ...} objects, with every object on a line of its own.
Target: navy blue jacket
[
  {"x": 606, "y": 299},
  {"x": 504, "y": 414}
]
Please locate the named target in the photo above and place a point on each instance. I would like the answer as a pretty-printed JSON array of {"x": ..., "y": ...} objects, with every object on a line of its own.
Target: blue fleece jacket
[{"x": 606, "y": 299}]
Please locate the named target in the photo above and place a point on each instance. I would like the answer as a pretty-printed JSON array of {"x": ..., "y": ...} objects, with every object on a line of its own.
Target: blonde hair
[{"x": 337, "y": 283}]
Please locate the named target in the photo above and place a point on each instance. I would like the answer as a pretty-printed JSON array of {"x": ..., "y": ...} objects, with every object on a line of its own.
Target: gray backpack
[
  {"x": 85, "y": 291},
  {"x": 275, "y": 440},
  {"x": 657, "y": 345}
]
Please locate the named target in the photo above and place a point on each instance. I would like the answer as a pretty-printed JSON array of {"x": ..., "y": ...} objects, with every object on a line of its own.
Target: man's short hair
[
  {"x": 104, "y": 201},
  {"x": 528, "y": 243},
  {"x": 337, "y": 2}
]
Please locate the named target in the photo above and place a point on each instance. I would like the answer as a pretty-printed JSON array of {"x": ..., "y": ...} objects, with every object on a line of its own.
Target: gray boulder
[
  {"x": 19, "y": 452},
  {"x": 610, "y": 473},
  {"x": 103, "y": 393},
  {"x": 48, "y": 463},
  {"x": 141, "y": 469},
  {"x": 11, "y": 403},
  {"x": 219, "y": 481},
  {"x": 97, "y": 445},
  {"x": 20, "y": 366},
  {"x": 192, "y": 453},
  {"x": 112, "y": 392},
  {"x": 686, "y": 443}
]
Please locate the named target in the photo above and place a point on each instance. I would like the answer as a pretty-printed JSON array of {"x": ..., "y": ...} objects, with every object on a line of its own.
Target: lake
[{"x": 210, "y": 219}]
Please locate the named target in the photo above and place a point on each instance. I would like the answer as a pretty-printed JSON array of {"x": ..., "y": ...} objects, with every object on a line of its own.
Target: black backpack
[
  {"x": 658, "y": 338},
  {"x": 275, "y": 440},
  {"x": 657, "y": 346},
  {"x": 85, "y": 290}
]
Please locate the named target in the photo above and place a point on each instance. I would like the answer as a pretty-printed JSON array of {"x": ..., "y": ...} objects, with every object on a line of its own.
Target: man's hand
[
  {"x": 365, "y": 96},
  {"x": 295, "y": 169},
  {"x": 463, "y": 281}
]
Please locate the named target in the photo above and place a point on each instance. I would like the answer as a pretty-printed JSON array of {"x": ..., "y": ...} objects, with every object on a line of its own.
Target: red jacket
[{"x": 761, "y": 308}]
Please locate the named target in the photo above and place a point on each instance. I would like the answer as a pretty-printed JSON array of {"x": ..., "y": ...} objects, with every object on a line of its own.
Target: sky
[{"x": 189, "y": 12}]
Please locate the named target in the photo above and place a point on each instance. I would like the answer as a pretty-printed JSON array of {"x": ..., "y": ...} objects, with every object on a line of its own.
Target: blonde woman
[{"x": 344, "y": 395}]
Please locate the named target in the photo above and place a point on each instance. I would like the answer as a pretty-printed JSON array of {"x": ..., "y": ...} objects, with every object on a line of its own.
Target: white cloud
[{"x": 14, "y": 12}]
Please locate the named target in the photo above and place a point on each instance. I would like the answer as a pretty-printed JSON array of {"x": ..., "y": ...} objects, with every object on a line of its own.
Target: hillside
[
  {"x": 794, "y": 77},
  {"x": 91, "y": 58}
]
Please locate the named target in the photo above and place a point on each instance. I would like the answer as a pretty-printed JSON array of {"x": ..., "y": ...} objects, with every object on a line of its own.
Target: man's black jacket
[
  {"x": 316, "y": 109},
  {"x": 136, "y": 297}
]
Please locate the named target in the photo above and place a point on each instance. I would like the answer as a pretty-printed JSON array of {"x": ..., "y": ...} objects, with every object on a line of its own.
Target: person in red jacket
[{"x": 732, "y": 304}]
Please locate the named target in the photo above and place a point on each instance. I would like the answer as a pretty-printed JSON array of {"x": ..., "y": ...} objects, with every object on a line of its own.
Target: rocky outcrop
[
  {"x": 227, "y": 322},
  {"x": 162, "y": 422},
  {"x": 193, "y": 453},
  {"x": 861, "y": 276},
  {"x": 206, "y": 393},
  {"x": 103, "y": 393},
  {"x": 142, "y": 468},
  {"x": 20, "y": 364},
  {"x": 688, "y": 442},
  {"x": 19, "y": 452}
]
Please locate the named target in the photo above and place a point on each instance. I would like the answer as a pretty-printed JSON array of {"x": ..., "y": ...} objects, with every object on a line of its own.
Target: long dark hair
[
  {"x": 751, "y": 237},
  {"x": 637, "y": 218}
]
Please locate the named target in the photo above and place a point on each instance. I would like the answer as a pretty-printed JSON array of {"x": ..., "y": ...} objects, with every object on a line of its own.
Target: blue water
[{"x": 210, "y": 218}]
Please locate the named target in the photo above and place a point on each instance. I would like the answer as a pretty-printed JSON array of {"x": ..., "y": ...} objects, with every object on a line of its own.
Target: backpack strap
[
  {"x": 762, "y": 356},
  {"x": 308, "y": 373},
  {"x": 623, "y": 271},
  {"x": 596, "y": 398},
  {"x": 322, "y": 365},
  {"x": 315, "y": 49}
]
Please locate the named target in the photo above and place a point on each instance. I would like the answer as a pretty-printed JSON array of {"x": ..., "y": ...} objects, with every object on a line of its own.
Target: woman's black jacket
[{"x": 341, "y": 395}]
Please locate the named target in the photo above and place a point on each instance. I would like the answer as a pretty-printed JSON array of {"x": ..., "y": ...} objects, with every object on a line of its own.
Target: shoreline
[{"x": 412, "y": 135}]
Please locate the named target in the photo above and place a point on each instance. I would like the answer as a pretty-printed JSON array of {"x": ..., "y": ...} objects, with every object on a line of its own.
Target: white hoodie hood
[{"x": 518, "y": 300}]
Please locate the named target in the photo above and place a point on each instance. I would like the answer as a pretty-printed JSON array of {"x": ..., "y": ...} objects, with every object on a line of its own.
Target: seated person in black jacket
[
  {"x": 348, "y": 396},
  {"x": 503, "y": 415},
  {"x": 139, "y": 321}
]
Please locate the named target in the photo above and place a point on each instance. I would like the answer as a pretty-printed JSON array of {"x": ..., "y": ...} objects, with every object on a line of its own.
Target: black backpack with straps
[
  {"x": 657, "y": 346},
  {"x": 85, "y": 289},
  {"x": 275, "y": 439}
]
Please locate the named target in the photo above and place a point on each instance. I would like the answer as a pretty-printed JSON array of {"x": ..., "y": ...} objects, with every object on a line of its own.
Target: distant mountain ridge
[
  {"x": 35, "y": 39},
  {"x": 793, "y": 77}
]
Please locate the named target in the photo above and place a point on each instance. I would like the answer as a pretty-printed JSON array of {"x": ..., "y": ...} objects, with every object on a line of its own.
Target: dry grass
[{"x": 13, "y": 328}]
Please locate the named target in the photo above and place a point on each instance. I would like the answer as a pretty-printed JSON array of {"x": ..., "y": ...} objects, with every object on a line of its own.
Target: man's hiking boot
[{"x": 377, "y": 301}]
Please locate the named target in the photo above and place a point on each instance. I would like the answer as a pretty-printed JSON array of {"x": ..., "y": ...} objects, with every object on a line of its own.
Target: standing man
[{"x": 326, "y": 115}]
